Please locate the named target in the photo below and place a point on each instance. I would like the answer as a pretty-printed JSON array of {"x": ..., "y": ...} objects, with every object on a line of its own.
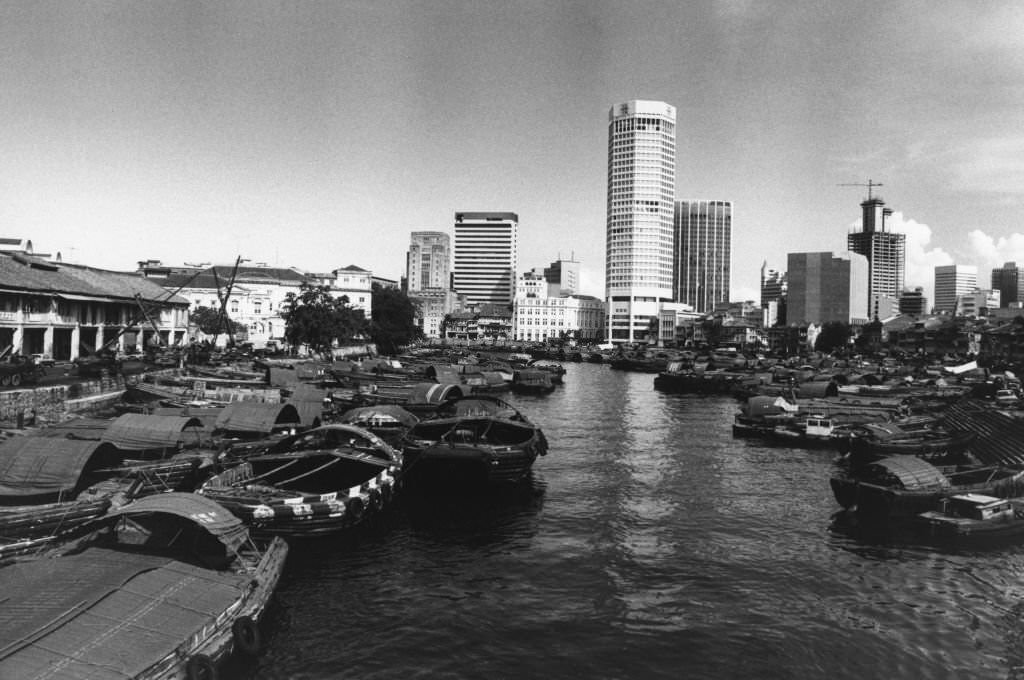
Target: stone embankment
[{"x": 55, "y": 403}]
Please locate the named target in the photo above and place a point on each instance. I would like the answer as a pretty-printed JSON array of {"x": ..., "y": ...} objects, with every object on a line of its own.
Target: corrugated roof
[
  {"x": 138, "y": 432},
  {"x": 249, "y": 416},
  {"x": 999, "y": 436},
  {"x": 58, "y": 278}
]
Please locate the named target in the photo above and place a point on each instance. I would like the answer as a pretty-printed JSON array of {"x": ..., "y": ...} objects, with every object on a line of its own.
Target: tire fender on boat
[
  {"x": 246, "y": 635},
  {"x": 201, "y": 667},
  {"x": 354, "y": 508},
  {"x": 376, "y": 501}
]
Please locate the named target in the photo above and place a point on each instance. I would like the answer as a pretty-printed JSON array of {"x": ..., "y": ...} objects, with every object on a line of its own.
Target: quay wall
[{"x": 54, "y": 403}]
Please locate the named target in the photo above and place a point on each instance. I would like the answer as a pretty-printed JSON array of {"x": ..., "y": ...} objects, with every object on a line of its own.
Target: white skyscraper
[
  {"x": 952, "y": 281},
  {"x": 486, "y": 256},
  {"x": 641, "y": 196}
]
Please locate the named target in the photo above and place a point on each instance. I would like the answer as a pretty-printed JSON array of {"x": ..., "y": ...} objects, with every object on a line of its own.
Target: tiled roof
[{"x": 32, "y": 275}]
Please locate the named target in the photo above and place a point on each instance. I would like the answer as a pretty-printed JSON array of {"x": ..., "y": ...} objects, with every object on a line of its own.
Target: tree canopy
[
  {"x": 834, "y": 335},
  {"x": 394, "y": 319},
  {"x": 316, "y": 318},
  {"x": 211, "y": 322}
]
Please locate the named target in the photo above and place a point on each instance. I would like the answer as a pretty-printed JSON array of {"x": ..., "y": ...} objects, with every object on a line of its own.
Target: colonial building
[
  {"x": 67, "y": 310},
  {"x": 257, "y": 298},
  {"x": 538, "y": 316}
]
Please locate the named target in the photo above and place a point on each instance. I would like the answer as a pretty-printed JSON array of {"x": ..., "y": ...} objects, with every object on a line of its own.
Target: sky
[{"x": 320, "y": 134}]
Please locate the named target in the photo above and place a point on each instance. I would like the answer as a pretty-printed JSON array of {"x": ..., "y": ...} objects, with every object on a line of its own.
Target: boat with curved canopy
[
  {"x": 164, "y": 587},
  {"x": 321, "y": 481},
  {"x": 904, "y": 486}
]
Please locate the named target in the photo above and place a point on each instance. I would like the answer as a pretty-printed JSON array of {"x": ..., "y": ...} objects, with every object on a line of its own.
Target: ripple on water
[{"x": 649, "y": 543}]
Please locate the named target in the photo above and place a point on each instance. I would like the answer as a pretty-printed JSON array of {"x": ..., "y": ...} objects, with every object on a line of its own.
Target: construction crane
[{"x": 869, "y": 185}]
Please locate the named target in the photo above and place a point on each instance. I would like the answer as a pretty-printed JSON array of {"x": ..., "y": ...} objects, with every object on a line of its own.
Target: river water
[{"x": 649, "y": 543}]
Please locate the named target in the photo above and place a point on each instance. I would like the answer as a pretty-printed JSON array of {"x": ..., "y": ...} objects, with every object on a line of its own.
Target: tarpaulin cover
[
  {"x": 281, "y": 376},
  {"x": 310, "y": 412},
  {"x": 104, "y": 614},
  {"x": 249, "y": 416},
  {"x": 33, "y": 466},
  {"x": 78, "y": 428},
  {"x": 205, "y": 512},
  {"x": 431, "y": 393},
  {"x": 376, "y": 415},
  {"x": 914, "y": 473},
  {"x": 137, "y": 432},
  {"x": 307, "y": 392},
  {"x": 447, "y": 375}
]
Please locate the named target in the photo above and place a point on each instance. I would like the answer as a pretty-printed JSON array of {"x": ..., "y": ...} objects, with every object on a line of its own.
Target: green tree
[
  {"x": 316, "y": 318},
  {"x": 210, "y": 321},
  {"x": 834, "y": 335},
  {"x": 394, "y": 319},
  {"x": 712, "y": 326}
]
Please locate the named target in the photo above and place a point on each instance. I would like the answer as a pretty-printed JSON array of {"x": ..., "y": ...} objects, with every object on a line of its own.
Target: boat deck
[{"x": 105, "y": 614}]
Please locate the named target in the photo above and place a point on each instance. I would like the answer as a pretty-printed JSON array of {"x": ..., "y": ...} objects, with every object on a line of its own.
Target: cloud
[
  {"x": 991, "y": 253},
  {"x": 922, "y": 259}
]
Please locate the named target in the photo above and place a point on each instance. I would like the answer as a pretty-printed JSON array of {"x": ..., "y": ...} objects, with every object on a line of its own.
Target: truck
[{"x": 16, "y": 369}]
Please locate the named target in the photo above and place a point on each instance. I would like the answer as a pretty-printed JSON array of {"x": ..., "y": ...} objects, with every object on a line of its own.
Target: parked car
[{"x": 43, "y": 359}]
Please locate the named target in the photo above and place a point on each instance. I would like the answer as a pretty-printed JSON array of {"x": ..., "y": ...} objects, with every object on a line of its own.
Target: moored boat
[
  {"x": 903, "y": 486},
  {"x": 318, "y": 482},
  {"x": 471, "y": 449},
  {"x": 164, "y": 587},
  {"x": 532, "y": 381},
  {"x": 974, "y": 516}
]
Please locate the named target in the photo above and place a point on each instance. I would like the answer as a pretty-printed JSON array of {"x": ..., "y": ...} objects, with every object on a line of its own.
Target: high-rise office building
[
  {"x": 913, "y": 302},
  {"x": 826, "y": 287},
  {"x": 563, "y": 277},
  {"x": 886, "y": 252},
  {"x": 702, "y": 253},
  {"x": 428, "y": 263},
  {"x": 486, "y": 256},
  {"x": 639, "y": 228},
  {"x": 773, "y": 285},
  {"x": 1009, "y": 281},
  {"x": 773, "y": 296},
  {"x": 952, "y": 281}
]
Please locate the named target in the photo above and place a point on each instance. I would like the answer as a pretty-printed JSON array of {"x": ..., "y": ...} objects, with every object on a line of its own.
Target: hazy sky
[{"x": 319, "y": 134}]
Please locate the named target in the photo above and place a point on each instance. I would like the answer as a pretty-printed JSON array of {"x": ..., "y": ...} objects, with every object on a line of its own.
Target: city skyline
[{"x": 200, "y": 132}]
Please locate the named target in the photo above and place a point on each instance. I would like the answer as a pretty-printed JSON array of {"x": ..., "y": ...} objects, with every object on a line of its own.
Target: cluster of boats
[
  {"x": 915, "y": 457},
  {"x": 148, "y": 545}
]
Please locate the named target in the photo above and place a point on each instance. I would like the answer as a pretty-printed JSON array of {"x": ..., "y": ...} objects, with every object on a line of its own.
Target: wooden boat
[
  {"x": 52, "y": 486},
  {"x": 555, "y": 369},
  {"x": 387, "y": 421},
  {"x": 809, "y": 431},
  {"x": 905, "y": 486},
  {"x": 872, "y": 441},
  {"x": 318, "y": 482},
  {"x": 974, "y": 516},
  {"x": 164, "y": 587},
  {"x": 532, "y": 381},
  {"x": 471, "y": 449}
]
